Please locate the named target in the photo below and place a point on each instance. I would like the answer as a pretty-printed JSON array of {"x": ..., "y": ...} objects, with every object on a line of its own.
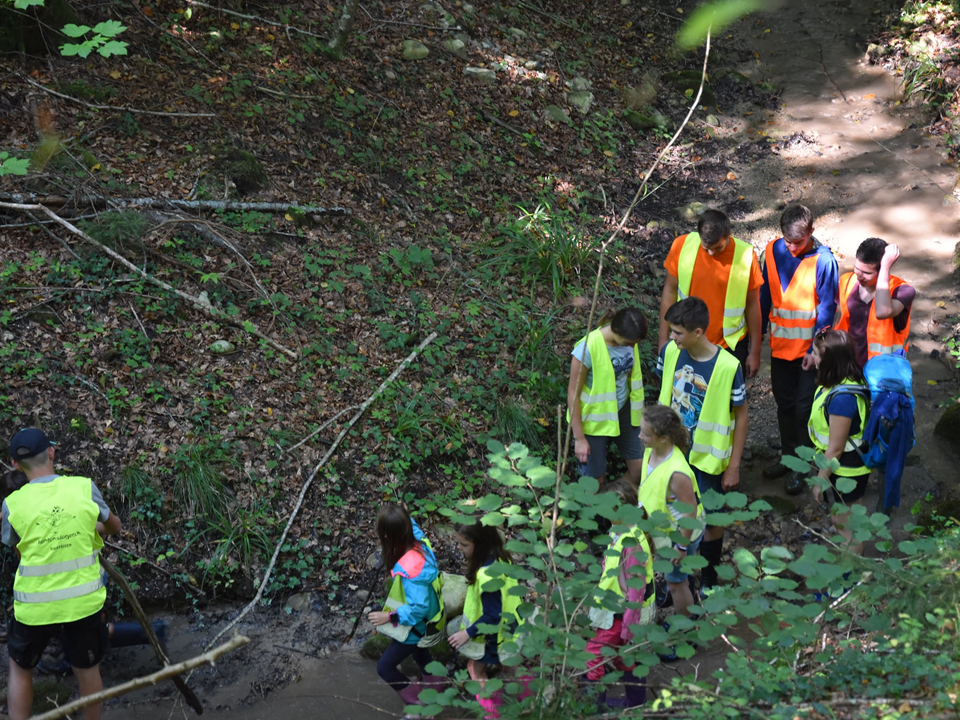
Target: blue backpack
[{"x": 889, "y": 433}]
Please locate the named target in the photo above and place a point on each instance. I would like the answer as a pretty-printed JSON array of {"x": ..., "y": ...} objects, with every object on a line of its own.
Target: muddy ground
[{"x": 836, "y": 141}]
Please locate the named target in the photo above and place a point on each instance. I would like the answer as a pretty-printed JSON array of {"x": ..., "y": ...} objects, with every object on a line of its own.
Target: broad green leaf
[
  {"x": 714, "y": 17},
  {"x": 109, "y": 28},
  {"x": 492, "y": 518},
  {"x": 24, "y": 4},
  {"x": 795, "y": 464},
  {"x": 81, "y": 49},
  {"x": 489, "y": 502},
  {"x": 74, "y": 31},
  {"x": 436, "y": 668},
  {"x": 845, "y": 484},
  {"x": 735, "y": 499},
  {"x": 746, "y": 562},
  {"x": 113, "y": 47},
  {"x": 13, "y": 166}
]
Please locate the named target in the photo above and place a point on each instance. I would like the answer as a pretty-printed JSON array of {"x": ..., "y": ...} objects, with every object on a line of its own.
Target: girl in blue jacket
[{"x": 414, "y": 607}]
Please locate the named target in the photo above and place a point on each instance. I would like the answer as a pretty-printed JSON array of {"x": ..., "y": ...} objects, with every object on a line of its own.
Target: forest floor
[{"x": 432, "y": 169}]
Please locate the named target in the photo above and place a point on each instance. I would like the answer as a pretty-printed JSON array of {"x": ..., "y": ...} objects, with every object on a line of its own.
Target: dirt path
[{"x": 844, "y": 148}]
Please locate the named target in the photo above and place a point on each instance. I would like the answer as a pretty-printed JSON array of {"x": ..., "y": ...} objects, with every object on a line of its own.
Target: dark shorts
[
  {"x": 628, "y": 442},
  {"x": 706, "y": 481},
  {"x": 84, "y": 641}
]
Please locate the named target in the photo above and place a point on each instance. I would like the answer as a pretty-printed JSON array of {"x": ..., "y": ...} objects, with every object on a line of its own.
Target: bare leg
[
  {"x": 634, "y": 471},
  {"x": 90, "y": 682},
  {"x": 682, "y": 597},
  {"x": 842, "y": 521},
  {"x": 20, "y": 692}
]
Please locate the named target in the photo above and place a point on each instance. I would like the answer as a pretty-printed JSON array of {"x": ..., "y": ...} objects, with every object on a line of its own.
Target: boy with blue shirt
[
  {"x": 704, "y": 384},
  {"x": 797, "y": 300}
]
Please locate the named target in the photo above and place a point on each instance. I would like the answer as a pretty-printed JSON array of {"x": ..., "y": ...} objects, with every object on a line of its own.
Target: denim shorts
[
  {"x": 706, "y": 481},
  {"x": 628, "y": 442},
  {"x": 676, "y": 575}
]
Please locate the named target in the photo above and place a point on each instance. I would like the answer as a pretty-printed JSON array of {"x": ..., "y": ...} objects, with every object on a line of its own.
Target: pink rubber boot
[
  {"x": 491, "y": 705},
  {"x": 411, "y": 694}
]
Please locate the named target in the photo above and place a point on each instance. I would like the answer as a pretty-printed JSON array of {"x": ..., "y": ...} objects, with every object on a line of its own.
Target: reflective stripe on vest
[
  {"x": 599, "y": 414},
  {"x": 59, "y": 578},
  {"x": 713, "y": 437},
  {"x": 818, "y": 428},
  {"x": 882, "y": 338},
  {"x": 58, "y": 567},
  {"x": 738, "y": 282},
  {"x": 793, "y": 312},
  {"x": 64, "y": 594}
]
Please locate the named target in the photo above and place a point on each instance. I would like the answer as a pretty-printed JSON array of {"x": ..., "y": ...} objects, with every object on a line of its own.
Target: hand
[
  {"x": 731, "y": 477},
  {"x": 890, "y": 255},
  {"x": 817, "y": 494},
  {"x": 807, "y": 363},
  {"x": 582, "y": 450},
  {"x": 681, "y": 554},
  {"x": 378, "y": 618},
  {"x": 753, "y": 361},
  {"x": 458, "y": 639}
]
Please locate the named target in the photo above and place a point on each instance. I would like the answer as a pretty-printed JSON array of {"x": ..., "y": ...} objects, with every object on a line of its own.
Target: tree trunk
[{"x": 338, "y": 42}]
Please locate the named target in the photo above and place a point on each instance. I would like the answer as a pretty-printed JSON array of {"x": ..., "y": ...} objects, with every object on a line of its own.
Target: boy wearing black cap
[{"x": 55, "y": 523}]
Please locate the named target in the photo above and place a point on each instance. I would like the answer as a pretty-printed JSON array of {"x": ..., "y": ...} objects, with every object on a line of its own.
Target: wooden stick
[
  {"x": 208, "y": 658},
  {"x": 188, "y": 694},
  {"x": 59, "y": 200},
  {"x": 203, "y": 306},
  {"x": 115, "y": 108},
  {"x": 306, "y": 486}
]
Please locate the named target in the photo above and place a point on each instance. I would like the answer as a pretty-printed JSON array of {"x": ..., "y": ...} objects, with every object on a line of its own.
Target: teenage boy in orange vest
[
  {"x": 704, "y": 384},
  {"x": 797, "y": 300},
  {"x": 723, "y": 271},
  {"x": 875, "y": 305}
]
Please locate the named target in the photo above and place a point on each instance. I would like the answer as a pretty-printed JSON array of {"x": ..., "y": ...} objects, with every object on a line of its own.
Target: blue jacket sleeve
[
  {"x": 492, "y": 604},
  {"x": 765, "y": 301},
  {"x": 417, "y": 532},
  {"x": 828, "y": 288}
]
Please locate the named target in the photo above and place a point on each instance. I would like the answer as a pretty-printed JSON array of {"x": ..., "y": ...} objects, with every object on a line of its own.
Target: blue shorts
[
  {"x": 628, "y": 442},
  {"x": 676, "y": 575},
  {"x": 706, "y": 481}
]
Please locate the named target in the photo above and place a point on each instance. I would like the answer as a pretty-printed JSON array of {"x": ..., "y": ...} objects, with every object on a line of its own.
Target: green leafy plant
[{"x": 102, "y": 39}]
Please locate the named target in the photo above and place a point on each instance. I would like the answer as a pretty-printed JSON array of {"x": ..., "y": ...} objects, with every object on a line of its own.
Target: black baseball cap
[{"x": 29, "y": 442}]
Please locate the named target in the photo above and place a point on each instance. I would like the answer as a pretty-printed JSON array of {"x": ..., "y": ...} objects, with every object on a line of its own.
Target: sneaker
[
  {"x": 775, "y": 471},
  {"x": 795, "y": 484}
]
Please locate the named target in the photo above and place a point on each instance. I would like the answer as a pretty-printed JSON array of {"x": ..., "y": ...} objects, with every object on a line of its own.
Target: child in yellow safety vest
[
  {"x": 605, "y": 393},
  {"x": 414, "y": 608},
  {"x": 627, "y": 574},
  {"x": 490, "y": 609}
]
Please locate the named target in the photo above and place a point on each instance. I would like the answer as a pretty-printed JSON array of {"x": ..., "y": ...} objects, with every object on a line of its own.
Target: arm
[
  {"x": 682, "y": 487},
  {"x": 753, "y": 331},
  {"x": 828, "y": 290},
  {"x": 417, "y": 608},
  {"x": 766, "y": 301},
  {"x": 578, "y": 379},
  {"x": 110, "y": 526},
  {"x": 671, "y": 287},
  {"x": 492, "y": 610},
  {"x": 731, "y": 476},
  {"x": 883, "y": 304},
  {"x": 839, "y": 432}
]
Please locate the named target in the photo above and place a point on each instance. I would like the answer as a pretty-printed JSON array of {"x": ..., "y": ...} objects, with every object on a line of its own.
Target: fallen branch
[
  {"x": 274, "y": 23},
  {"x": 116, "y": 108},
  {"x": 328, "y": 422},
  {"x": 95, "y": 200},
  {"x": 306, "y": 486},
  {"x": 208, "y": 658},
  {"x": 202, "y": 305},
  {"x": 192, "y": 700}
]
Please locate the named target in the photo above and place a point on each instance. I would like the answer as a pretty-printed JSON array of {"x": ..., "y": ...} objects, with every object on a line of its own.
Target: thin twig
[
  {"x": 114, "y": 108},
  {"x": 306, "y": 486},
  {"x": 208, "y": 658},
  {"x": 326, "y": 424},
  {"x": 141, "y": 558},
  {"x": 198, "y": 304},
  {"x": 829, "y": 76},
  {"x": 274, "y": 23},
  {"x": 56, "y": 237}
]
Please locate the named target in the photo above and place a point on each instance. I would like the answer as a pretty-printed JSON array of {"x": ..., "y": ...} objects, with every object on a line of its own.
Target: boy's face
[
  {"x": 685, "y": 339},
  {"x": 798, "y": 245},
  {"x": 866, "y": 273},
  {"x": 718, "y": 247}
]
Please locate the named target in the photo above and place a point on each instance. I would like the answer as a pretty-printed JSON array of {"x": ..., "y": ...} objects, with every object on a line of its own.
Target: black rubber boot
[{"x": 130, "y": 633}]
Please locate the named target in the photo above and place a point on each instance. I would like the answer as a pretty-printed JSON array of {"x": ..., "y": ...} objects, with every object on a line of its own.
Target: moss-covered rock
[
  {"x": 244, "y": 170},
  {"x": 374, "y": 646},
  {"x": 780, "y": 505},
  {"x": 50, "y": 694},
  {"x": 948, "y": 426},
  {"x": 684, "y": 80},
  {"x": 644, "y": 122}
]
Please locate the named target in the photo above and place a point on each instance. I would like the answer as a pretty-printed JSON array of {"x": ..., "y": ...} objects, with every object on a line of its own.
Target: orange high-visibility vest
[
  {"x": 882, "y": 338},
  {"x": 793, "y": 314}
]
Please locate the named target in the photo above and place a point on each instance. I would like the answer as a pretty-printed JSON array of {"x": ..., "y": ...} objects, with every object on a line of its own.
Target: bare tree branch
[{"x": 115, "y": 108}]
